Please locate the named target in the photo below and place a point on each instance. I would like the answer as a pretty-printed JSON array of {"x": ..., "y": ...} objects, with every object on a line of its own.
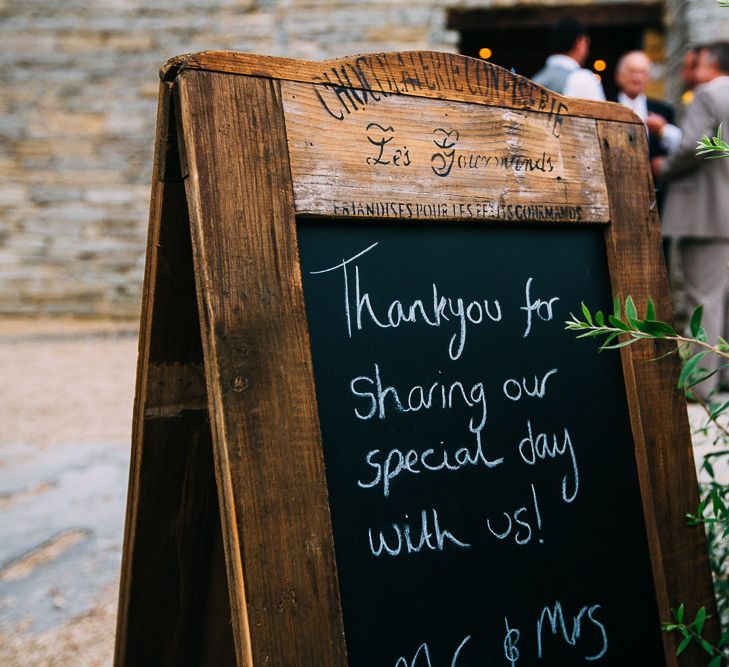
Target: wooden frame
[{"x": 224, "y": 374}]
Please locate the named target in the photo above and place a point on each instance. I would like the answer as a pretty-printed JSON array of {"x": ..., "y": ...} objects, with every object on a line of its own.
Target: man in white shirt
[
  {"x": 563, "y": 72},
  {"x": 632, "y": 75}
]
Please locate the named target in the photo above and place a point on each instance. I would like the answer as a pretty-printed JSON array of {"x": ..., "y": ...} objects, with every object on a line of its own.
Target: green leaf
[
  {"x": 586, "y": 313},
  {"x": 600, "y": 318},
  {"x": 700, "y": 620},
  {"x": 689, "y": 368},
  {"x": 630, "y": 310},
  {"x": 616, "y": 346},
  {"x": 590, "y": 334},
  {"x": 695, "y": 327},
  {"x": 682, "y": 646},
  {"x": 650, "y": 311},
  {"x": 658, "y": 328},
  {"x": 715, "y": 413},
  {"x": 706, "y": 646},
  {"x": 702, "y": 506},
  {"x": 616, "y": 307},
  {"x": 631, "y": 314},
  {"x": 680, "y": 612},
  {"x": 701, "y": 375},
  {"x": 618, "y": 323},
  {"x": 611, "y": 338},
  {"x": 716, "y": 502},
  {"x": 716, "y": 661}
]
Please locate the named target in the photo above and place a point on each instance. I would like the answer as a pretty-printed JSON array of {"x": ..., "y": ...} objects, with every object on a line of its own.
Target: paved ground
[{"x": 65, "y": 417}]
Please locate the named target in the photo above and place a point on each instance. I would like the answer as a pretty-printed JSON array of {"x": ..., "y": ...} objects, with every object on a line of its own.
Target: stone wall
[{"x": 77, "y": 110}]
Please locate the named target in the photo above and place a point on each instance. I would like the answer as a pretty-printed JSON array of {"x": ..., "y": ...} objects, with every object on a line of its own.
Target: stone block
[
  {"x": 111, "y": 195},
  {"x": 247, "y": 26},
  {"x": 55, "y": 124},
  {"x": 12, "y": 127},
  {"x": 25, "y": 243},
  {"x": 20, "y": 45},
  {"x": 41, "y": 194},
  {"x": 130, "y": 43},
  {"x": 72, "y": 215},
  {"x": 18, "y": 307},
  {"x": 81, "y": 42},
  {"x": 125, "y": 123},
  {"x": 12, "y": 194},
  {"x": 402, "y": 34}
]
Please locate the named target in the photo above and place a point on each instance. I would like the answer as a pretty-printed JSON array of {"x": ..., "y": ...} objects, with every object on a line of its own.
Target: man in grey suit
[{"x": 697, "y": 205}]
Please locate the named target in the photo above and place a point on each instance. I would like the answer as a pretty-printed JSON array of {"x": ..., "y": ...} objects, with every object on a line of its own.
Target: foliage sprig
[
  {"x": 713, "y": 147},
  {"x": 692, "y": 632},
  {"x": 624, "y": 327}
]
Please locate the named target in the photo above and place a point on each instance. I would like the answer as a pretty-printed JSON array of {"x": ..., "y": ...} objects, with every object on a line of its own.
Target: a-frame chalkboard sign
[{"x": 362, "y": 435}]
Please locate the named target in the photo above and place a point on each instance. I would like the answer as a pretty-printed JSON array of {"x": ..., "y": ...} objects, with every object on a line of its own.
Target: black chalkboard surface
[{"x": 479, "y": 458}]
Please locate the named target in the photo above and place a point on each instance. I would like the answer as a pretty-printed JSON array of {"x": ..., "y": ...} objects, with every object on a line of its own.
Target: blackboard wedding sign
[{"x": 362, "y": 435}]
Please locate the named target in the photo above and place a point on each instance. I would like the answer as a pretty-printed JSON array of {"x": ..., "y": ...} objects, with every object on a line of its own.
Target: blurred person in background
[
  {"x": 688, "y": 68},
  {"x": 563, "y": 71},
  {"x": 660, "y": 125},
  {"x": 697, "y": 203},
  {"x": 632, "y": 75}
]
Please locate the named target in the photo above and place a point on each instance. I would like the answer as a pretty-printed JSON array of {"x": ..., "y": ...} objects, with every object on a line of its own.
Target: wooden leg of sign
[
  {"x": 659, "y": 420},
  {"x": 173, "y": 603},
  {"x": 269, "y": 463}
]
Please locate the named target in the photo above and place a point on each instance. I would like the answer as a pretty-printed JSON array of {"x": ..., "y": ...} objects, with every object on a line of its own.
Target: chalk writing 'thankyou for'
[{"x": 442, "y": 311}]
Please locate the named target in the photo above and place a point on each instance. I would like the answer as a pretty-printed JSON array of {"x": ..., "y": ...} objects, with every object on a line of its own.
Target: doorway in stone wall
[{"x": 517, "y": 37}]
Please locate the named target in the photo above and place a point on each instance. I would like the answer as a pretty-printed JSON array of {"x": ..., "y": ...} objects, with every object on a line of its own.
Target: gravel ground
[{"x": 65, "y": 421}]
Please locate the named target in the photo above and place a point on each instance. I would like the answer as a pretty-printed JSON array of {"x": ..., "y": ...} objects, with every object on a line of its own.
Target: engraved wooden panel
[
  {"x": 405, "y": 157},
  {"x": 352, "y": 80}
]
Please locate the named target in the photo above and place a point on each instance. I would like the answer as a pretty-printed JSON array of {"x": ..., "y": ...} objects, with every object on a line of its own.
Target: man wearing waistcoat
[
  {"x": 632, "y": 75},
  {"x": 563, "y": 72},
  {"x": 697, "y": 203}
]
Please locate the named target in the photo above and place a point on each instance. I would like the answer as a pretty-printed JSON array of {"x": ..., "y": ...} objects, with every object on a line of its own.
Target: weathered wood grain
[
  {"x": 227, "y": 457},
  {"x": 270, "y": 470},
  {"x": 169, "y": 611},
  {"x": 361, "y": 81},
  {"x": 432, "y": 159},
  {"x": 659, "y": 420}
]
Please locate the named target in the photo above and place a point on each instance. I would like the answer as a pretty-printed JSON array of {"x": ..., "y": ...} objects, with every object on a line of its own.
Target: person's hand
[
  {"x": 657, "y": 165},
  {"x": 655, "y": 123}
]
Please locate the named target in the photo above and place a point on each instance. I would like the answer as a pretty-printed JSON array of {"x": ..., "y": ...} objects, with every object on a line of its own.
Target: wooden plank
[
  {"x": 225, "y": 363},
  {"x": 358, "y": 82},
  {"x": 270, "y": 471},
  {"x": 172, "y": 527},
  {"x": 658, "y": 410},
  {"x": 420, "y": 159}
]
